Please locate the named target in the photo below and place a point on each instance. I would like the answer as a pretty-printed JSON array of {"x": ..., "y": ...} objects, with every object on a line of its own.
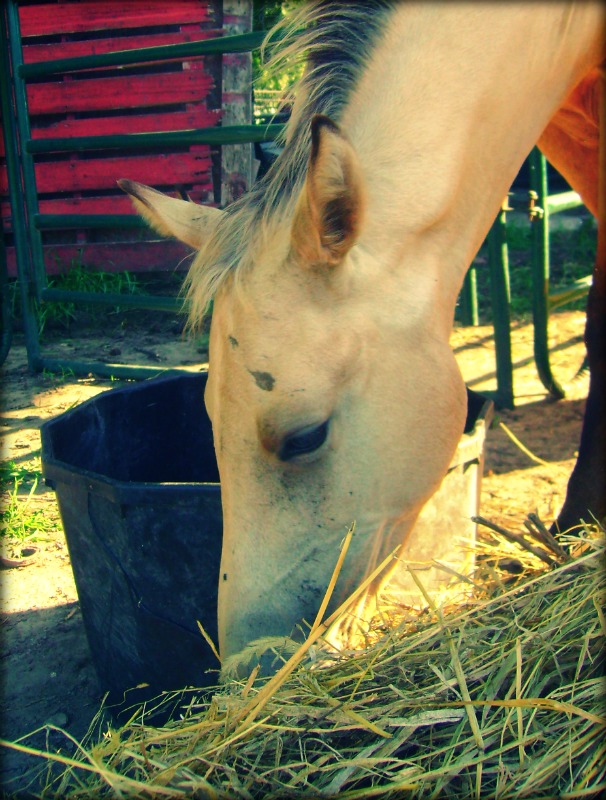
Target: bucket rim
[{"x": 57, "y": 471}]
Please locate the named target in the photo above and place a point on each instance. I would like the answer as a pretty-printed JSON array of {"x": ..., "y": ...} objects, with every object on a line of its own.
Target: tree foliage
[{"x": 266, "y": 13}]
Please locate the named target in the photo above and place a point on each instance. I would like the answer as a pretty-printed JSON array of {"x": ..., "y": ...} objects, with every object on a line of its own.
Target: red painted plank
[
  {"x": 46, "y": 19},
  {"x": 111, "y": 204},
  {"x": 120, "y": 204},
  {"x": 198, "y": 117},
  {"x": 133, "y": 91},
  {"x": 79, "y": 175},
  {"x": 140, "y": 257},
  {"x": 32, "y": 53}
]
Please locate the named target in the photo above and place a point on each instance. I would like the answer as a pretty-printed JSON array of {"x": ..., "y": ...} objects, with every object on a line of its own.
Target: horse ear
[
  {"x": 329, "y": 213},
  {"x": 189, "y": 222}
]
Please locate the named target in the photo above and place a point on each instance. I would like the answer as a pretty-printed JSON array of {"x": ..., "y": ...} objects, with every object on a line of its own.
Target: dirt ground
[{"x": 47, "y": 674}]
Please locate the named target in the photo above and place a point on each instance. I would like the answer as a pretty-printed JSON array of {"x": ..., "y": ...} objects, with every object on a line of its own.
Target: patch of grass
[
  {"x": 20, "y": 520},
  {"x": 10, "y": 472},
  {"x": 54, "y": 376},
  {"x": 77, "y": 278},
  {"x": 83, "y": 279}
]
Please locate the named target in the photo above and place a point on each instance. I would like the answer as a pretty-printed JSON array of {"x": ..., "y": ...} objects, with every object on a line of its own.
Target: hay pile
[{"x": 501, "y": 695}]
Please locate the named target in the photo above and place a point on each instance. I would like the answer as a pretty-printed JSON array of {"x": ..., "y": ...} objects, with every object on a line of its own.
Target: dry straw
[{"x": 498, "y": 695}]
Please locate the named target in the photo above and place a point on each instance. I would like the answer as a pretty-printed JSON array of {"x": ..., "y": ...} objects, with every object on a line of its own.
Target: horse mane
[{"x": 334, "y": 40}]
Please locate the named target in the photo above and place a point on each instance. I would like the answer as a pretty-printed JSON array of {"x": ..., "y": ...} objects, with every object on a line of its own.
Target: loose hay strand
[
  {"x": 208, "y": 640},
  {"x": 334, "y": 577},
  {"x": 522, "y": 446},
  {"x": 518, "y": 698}
]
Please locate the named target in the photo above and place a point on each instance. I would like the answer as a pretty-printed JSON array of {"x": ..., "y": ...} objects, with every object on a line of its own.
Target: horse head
[{"x": 333, "y": 393}]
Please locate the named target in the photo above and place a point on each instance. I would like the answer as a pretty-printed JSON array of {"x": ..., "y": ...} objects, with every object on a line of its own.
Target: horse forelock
[{"x": 335, "y": 40}]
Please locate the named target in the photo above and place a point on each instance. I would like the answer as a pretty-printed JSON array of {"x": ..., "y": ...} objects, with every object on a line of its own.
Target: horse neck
[{"x": 453, "y": 99}]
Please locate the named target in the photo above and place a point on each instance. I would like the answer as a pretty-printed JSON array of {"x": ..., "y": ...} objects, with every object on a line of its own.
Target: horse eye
[{"x": 304, "y": 441}]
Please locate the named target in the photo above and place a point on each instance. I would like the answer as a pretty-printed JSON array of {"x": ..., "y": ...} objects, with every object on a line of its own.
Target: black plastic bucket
[{"x": 136, "y": 480}]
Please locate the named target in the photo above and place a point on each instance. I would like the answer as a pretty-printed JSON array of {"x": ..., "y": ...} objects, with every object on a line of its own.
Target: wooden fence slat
[
  {"x": 198, "y": 117},
  {"x": 138, "y": 257},
  {"x": 48, "y": 19},
  {"x": 33, "y": 53},
  {"x": 90, "y": 174},
  {"x": 134, "y": 91},
  {"x": 109, "y": 204}
]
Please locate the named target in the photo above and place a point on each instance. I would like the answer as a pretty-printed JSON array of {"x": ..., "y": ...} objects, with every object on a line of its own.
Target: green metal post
[
  {"x": 498, "y": 259},
  {"x": 539, "y": 215},
  {"x": 6, "y": 316},
  {"x": 21, "y": 115},
  {"x": 469, "y": 298},
  {"x": 17, "y": 192}
]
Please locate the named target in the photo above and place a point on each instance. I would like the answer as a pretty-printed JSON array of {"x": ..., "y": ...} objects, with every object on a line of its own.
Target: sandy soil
[{"x": 47, "y": 672}]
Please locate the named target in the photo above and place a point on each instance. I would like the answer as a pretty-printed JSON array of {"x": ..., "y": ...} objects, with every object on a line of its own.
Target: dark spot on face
[
  {"x": 264, "y": 380},
  {"x": 225, "y": 576},
  {"x": 233, "y": 341}
]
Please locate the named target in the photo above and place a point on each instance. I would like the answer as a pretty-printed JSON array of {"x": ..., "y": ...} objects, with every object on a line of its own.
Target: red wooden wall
[{"x": 178, "y": 96}]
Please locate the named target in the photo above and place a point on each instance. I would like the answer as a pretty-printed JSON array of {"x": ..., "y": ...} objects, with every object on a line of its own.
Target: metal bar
[
  {"x": 9, "y": 28},
  {"x": 233, "y": 134},
  {"x": 29, "y": 196},
  {"x": 576, "y": 291},
  {"x": 562, "y": 202},
  {"x": 498, "y": 260},
  {"x": 143, "y": 55},
  {"x": 540, "y": 275},
  {"x": 151, "y": 302},
  {"x": 51, "y": 222},
  {"x": 469, "y": 298},
  {"x": 105, "y": 370},
  {"x": 6, "y": 315}
]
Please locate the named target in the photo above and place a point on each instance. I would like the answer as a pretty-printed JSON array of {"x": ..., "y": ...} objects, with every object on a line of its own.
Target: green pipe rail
[
  {"x": 542, "y": 207},
  {"x": 230, "y": 134},
  {"x": 6, "y": 316},
  {"x": 241, "y": 43}
]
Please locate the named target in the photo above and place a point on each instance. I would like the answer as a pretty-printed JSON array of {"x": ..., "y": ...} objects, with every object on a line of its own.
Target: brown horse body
[{"x": 573, "y": 144}]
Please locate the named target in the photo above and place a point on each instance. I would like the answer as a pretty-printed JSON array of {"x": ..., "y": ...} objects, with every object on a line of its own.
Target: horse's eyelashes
[{"x": 307, "y": 440}]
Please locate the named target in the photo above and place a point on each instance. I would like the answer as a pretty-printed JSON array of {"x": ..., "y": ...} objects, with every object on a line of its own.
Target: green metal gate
[{"x": 28, "y": 223}]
